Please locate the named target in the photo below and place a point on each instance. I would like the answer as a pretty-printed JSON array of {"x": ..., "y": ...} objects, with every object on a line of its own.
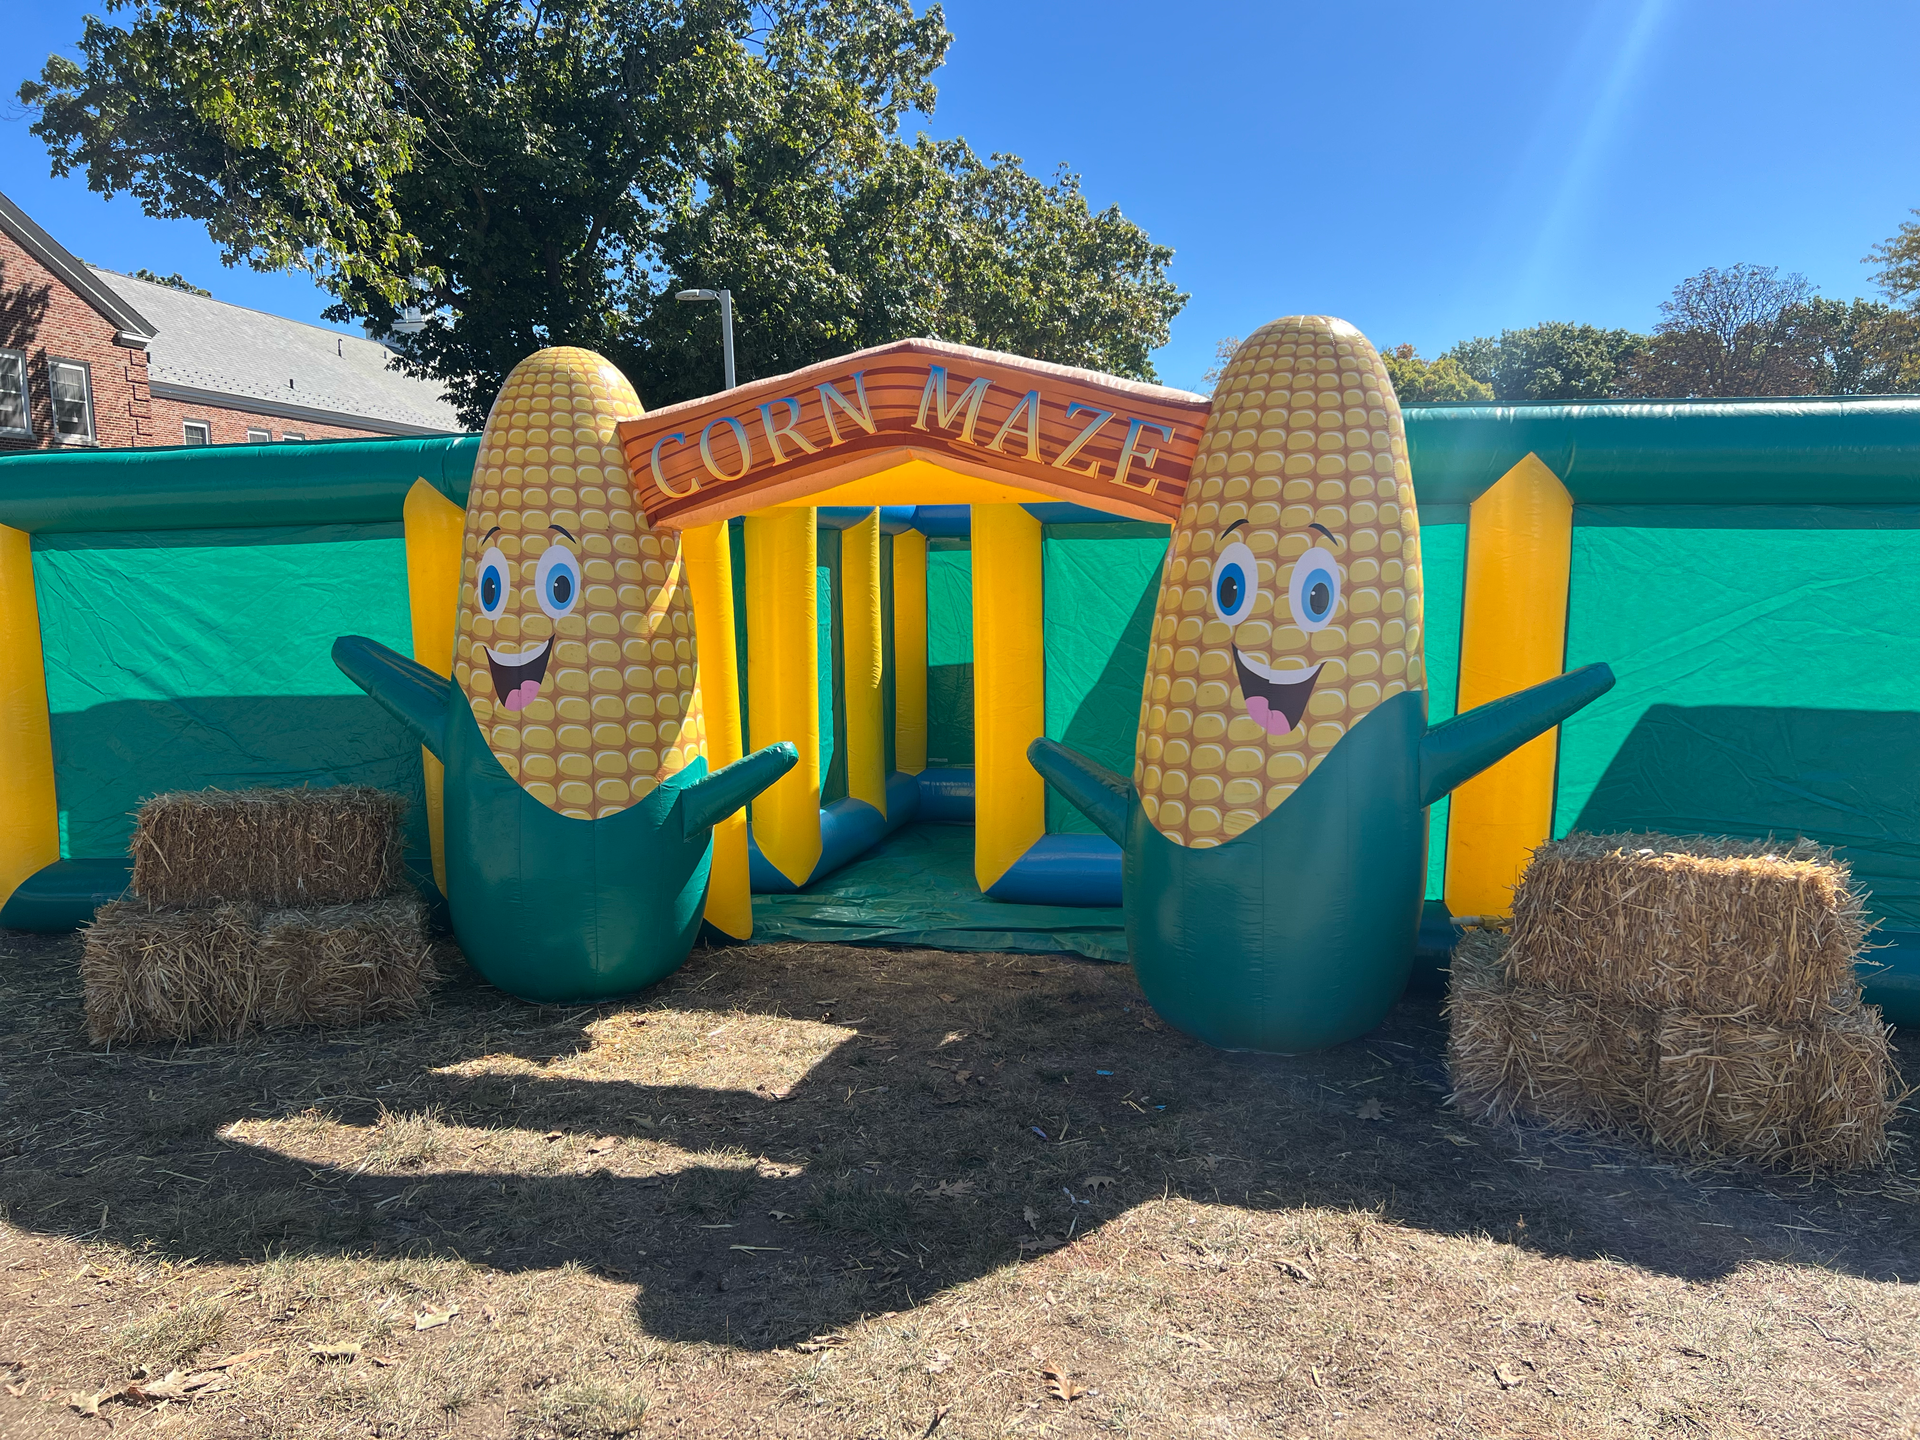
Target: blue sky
[{"x": 1427, "y": 171}]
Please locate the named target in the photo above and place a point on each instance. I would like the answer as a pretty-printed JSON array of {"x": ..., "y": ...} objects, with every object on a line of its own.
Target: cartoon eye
[
  {"x": 1313, "y": 589},
  {"x": 1236, "y": 583},
  {"x": 556, "y": 580},
  {"x": 493, "y": 585}
]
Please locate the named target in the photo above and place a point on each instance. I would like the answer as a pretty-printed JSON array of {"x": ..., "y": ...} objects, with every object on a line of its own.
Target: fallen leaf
[
  {"x": 952, "y": 1189},
  {"x": 87, "y": 1404},
  {"x": 951, "y": 999},
  {"x": 780, "y": 1215},
  {"x": 1298, "y": 1272},
  {"x": 430, "y": 1319},
  {"x": 939, "y": 1414},
  {"x": 602, "y": 1145},
  {"x": 1370, "y": 1110},
  {"x": 1193, "y": 1340},
  {"x": 1097, "y": 1183},
  {"x": 1041, "y": 1243},
  {"x": 1033, "y": 1217},
  {"x": 938, "y": 1361},
  {"x": 234, "y": 1362},
  {"x": 346, "y": 1351},
  {"x": 174, "y": 1386},
  {"x": 1507, "y": 1378},
  {"x": 488, "y": 1314},
  {"x": 821, "y": 1342},
  {"x": 554, "y": 1135},
  {"x": 17, "y": 1390},
  {"x": 1062, "y": 1386}
]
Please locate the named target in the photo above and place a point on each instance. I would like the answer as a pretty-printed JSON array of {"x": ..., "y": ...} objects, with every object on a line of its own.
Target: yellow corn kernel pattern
[
  {"x": 618, "y": 709},
  {"x": 1305, "y": 431}
]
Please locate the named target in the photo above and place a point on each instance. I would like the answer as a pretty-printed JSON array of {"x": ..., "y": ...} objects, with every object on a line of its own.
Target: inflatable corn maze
[{"x": 937, "y": 646}]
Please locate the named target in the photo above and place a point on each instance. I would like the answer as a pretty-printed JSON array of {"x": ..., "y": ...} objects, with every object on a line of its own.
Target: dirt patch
[{"x": 816, "y": 1191}]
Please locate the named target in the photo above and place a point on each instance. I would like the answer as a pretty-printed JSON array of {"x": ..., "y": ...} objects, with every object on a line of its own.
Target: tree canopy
[
  {"x": 551, "y": 174},
  {"x": 1418, "y": 381}
]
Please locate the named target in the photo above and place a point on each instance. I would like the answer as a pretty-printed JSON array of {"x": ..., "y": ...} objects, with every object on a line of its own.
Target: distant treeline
[{"x": 1744, "y": 330}]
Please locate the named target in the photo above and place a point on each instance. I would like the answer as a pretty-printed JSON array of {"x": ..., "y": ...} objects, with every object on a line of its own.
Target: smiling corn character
[
  {"x": 1274, "y": 831},
  {"x": 578, "y": 807}
]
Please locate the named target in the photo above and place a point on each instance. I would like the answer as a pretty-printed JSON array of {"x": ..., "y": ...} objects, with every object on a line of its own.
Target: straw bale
[
  {"x": 333, "y": 846},
  {"x": 153, "y": 974},
  {"x": 1802, "y": 1097},
  {"x": 344, "y": 964},
  {"x": 1806, "y": 1097},
  {"x": 1566, "y": 1058},
  {"x": 213, "y": 972},
  {"x": 1719, "y": 926}
]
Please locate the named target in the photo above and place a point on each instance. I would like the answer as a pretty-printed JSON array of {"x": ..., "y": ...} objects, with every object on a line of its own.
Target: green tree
[
  {"x": 1417, "y": 381},
  {"x": 175, "y": 281},
  {"x": 1860, "y": 347},
  {"x": 543, "y": 175},
  {"x": 1552, "y": 361},
  {"x": 1744, "y": 330}
]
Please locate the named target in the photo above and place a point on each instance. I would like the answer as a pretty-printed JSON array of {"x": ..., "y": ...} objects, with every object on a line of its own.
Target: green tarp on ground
[
  {"x": 1769, "y": 682},
  {"x": 184, "y": 659},
  {"x": 917, "y": 888}
]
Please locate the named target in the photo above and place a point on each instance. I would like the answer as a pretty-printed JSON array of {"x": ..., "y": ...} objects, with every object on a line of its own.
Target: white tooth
[
  {"x": 1279, "y": 677},
  {"x": 526, "y": 653}
]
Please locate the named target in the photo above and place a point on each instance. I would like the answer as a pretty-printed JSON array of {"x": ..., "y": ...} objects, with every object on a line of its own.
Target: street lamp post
[{"x": 725, "y": 297}]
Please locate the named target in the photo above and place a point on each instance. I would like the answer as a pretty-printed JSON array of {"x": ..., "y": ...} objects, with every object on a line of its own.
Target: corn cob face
[
  {"x": 1291, "y": 604},
  {"x": 575, "y": 644}
]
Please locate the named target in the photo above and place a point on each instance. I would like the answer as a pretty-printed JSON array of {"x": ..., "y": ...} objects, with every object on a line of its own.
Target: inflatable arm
[
  {"x": 711, "y": 799},
  {"x": 1095, "y": 791},
  {"x": 1456, "y": 750},
  {"x": 405, "y": 689}
]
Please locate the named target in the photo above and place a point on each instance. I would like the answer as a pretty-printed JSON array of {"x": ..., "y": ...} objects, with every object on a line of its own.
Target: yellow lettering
[
  {"x": 1030, "y": 407},
  {"x": 790, "y": 430},
  {"x": 660, "y": 479},
  {"x": 935, "y": 395},
  {"x": 1131, "y": 448},
  {"x": 739, "y": 435},
  {"x": 831, "y": 396},
  {"x": 1092, "y": 468}
]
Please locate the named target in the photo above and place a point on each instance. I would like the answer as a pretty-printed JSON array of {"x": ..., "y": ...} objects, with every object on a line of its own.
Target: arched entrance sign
[{"x": 1028, "y": 430}]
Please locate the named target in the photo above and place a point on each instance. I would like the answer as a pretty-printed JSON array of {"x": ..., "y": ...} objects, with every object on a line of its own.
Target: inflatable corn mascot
[
  {"x": 1274, "y": 831},
  {"x": 578, "y": 807}
]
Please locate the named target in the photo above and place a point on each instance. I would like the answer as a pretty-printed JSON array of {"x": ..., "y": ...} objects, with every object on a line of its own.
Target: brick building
[{"x": 90, "y": 357}]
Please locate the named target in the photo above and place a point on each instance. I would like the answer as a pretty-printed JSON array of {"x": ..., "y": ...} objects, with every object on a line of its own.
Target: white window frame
[
  {"x": 20, "y": 432},
  {"x": 86, "y": 378},
  {"x": 187, "y": 427},
  {"x": 259, "y": 437},
  {"x": 295, "y": 435}
]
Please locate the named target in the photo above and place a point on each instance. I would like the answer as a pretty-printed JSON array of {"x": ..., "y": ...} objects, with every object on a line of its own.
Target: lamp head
[{"x": 697, "y": 295}]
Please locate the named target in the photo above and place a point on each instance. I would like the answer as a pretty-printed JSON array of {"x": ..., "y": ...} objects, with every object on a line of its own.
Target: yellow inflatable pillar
[
  {"x": 910, "y": 652},
  {"x": 783, "y": 681},
  {"x": 709, "y": 560},
  {"x": 433, "y": 527},
  {"x": 1009, "y": 689},
  {"x": 1513, "y": 633},
  {"x": 865, "y": 666},
  {"x": 29, "y": 809}
]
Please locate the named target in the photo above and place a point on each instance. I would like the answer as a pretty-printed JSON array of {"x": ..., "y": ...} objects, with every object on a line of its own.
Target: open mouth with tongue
[
  {"x": 516, "y": 678},
  {"x": 1276, "y": 699}
]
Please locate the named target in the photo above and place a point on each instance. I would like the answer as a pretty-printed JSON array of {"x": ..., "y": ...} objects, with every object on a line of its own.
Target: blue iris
[
  {"x": 561, "y": 584},
  {"x": 1231, "y": 585},
  {"x": 491, "y": 584},
  {"x": 1317, "y": 594}
]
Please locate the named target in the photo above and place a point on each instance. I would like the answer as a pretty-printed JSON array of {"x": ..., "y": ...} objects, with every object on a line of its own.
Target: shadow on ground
[{"x": 962, "y": 1117}]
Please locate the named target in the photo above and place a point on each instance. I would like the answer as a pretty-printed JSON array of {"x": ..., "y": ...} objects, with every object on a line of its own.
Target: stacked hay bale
[
  {"x": 257, "y": 908},
  {"x": 1698, "y": 994}
]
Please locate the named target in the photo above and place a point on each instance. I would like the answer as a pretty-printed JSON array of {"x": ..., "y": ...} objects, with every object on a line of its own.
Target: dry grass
[
  {"x": 1723, "y": 927},
  {"x": 333, "y": 846},
  {"x": 217, "y": 971},
  {"x": 797, "y": 1192}
]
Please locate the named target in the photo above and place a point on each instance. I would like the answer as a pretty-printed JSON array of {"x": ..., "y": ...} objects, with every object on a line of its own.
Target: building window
[
  {"x": 291, "y": 435},
  {"x": 196, "y": 432},
  {"x": 14, "y": 419},
  {"x": 259, "y": 437},
  {"x": 72, "y": 384}
]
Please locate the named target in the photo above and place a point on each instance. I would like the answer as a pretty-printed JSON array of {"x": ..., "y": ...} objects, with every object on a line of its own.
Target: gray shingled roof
[{"x": 214, "y": 353}]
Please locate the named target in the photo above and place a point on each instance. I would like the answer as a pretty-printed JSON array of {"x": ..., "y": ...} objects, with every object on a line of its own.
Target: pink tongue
[
  {"x": 522, "y": 694},
  {"x": 1258, "y": 708}
]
